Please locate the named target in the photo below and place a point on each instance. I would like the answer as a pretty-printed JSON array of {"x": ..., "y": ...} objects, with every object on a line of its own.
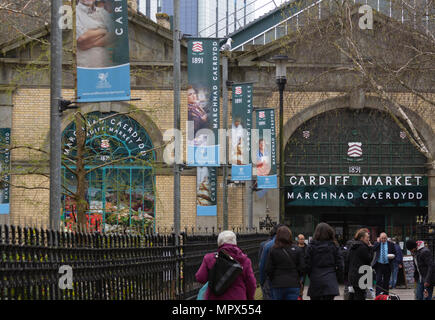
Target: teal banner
[
  {"x": 241, "y": 126},
  {"x": 103, "y": 61},
  {"x": 203, "y": 96},
  {"x": 357, "y": 191},
  {"x": 206, "y": 191},
  {"x": 266, "y": 150},
  {"x": 5, "y": 157}
]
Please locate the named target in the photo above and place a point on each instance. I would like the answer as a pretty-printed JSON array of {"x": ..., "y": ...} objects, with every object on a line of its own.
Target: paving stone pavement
[{"x": 404, "y": 294}]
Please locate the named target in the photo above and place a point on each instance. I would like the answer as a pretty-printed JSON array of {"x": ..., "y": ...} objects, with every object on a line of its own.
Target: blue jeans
[
  {"x": 266, "y": 290},
  {"x": 285, "y": 293},
  {"x": 420, "y": 291},
  {"x": 394, "y": 272}
]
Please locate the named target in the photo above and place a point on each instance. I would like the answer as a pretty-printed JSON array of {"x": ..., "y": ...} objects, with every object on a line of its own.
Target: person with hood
[
  {"x": 263, "y": 254},
  {"x": 360, "y": 254},
  {"x": 424, "y": 270},
  {"x": 244, "y": 286},
  {"x": 284, "y": 266},
  {"x": 323, "y": 264}
]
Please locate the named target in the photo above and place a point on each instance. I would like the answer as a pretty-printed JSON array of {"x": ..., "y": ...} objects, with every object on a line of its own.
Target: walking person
[
  {"x": 385, "y": 252},
  {"x": 263, "y": 254},
  {"x": 424, "y": 269},
  {"x": 323, "y": 264},
  {"x": 244, "y": 286},
  {"x": 360, "y": 254},
  {"x": 396, "y": 265},
  {"x": 284, "y": 266},
  {"x": 303, "y": 246}
]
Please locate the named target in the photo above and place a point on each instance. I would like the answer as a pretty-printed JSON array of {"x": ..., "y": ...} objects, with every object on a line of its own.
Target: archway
[
  {"x": 119, "y": 160},
  {"x": 353, "y": 168}
]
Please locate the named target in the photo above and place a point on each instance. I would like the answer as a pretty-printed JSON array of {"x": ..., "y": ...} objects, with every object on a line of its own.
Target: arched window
[{"x": 118, "y": 160}]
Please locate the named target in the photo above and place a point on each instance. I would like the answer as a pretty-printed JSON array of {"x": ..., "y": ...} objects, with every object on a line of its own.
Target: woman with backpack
[
  {"x": 285, "y": 266},
  {"x": 243, "y": 286},
  {"x": 324, "y": 264}
]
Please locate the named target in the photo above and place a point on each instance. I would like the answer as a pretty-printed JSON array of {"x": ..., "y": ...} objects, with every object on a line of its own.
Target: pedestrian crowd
[{"x": 285, "y": 266}]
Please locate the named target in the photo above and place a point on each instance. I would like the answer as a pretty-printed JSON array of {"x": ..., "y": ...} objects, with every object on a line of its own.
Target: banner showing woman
[
  {"x": 203, "y": 95},
  {"x": 265, "y": 151},
  {"x": 240, "y": 132},
  {"x": 103, "y": 65},
  {"x": 5, "y": 139}
]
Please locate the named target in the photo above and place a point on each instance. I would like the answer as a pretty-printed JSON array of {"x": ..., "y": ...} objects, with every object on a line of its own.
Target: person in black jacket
[
  {"x": 323, "y": 264},
  {"x": 284, "y": 266},
  {"x": 424, "y": 270},
  {"x": 360, "y": 254},
  {"x": 385, "y": 252}
]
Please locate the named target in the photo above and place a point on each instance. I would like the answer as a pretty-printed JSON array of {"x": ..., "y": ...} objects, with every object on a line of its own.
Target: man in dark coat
[
  {"x": 424, "y": 273},
  {"x": 360, "y": 254},
  {"x": 302, "y": 245},
  {"x": 385, "y": 252}
]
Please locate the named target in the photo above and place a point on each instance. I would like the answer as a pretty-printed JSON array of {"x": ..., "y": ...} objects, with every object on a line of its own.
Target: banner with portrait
[
  {"x": 265, "y": 150},
  {"x": 206, "y": 191},
  {"x": 103, "y": 62},
  {"x": 203, "y": 91},
  {"x": 5, "y": 140},
  {"x": 240, "y": 151}
]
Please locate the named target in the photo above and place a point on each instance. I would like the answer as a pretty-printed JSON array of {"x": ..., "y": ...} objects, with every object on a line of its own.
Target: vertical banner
[
  {"x": 203, "y": 92},
  {"x": 266, "y": 150},
  {"x": 103, "y": 62},
  {"x": 241, "y": 126},
  {"x": 5, "y": 139},
  {"x": 206, "y": 191}
]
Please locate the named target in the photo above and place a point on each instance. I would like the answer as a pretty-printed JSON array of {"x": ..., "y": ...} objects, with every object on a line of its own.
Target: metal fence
[{"x": 105, "y": 267}]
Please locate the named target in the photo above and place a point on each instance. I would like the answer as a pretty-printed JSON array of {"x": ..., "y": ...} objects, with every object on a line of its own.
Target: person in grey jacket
[{"x": 324, "y": 264}]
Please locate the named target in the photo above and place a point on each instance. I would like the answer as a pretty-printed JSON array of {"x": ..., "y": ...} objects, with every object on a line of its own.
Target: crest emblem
[
  {"x": 105, "y": 144},
  {"x": 306, "y": 134},
  {"x": 197, "y": 46},
  {"x": 402, "y": 135},
  {"x": 354, "y": 150},
  {"x": 261, "y": 114},
  {"x": 238, "y": 90}
]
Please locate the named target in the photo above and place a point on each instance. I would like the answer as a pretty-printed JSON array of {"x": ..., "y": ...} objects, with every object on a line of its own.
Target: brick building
[{"x": 338, "y": 99}]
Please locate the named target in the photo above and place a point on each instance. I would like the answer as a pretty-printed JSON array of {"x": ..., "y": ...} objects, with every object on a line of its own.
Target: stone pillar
[
  {"x": 431, "y": 195},
  {"x": 5, "y": 122}
]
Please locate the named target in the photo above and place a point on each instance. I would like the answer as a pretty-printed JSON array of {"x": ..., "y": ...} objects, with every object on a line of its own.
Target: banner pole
[
  {"x": 176, "y": 86},
  {"x": 225, "y": 122},
  {"x": 55, "y": 115}
]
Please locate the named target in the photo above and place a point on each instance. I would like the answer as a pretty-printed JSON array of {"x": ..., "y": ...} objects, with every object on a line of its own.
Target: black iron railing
[{"x": 105, "y": 267}]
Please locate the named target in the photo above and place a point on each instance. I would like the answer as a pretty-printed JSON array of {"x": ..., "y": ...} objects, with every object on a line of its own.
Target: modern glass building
[{"x": 211, "y": 18}]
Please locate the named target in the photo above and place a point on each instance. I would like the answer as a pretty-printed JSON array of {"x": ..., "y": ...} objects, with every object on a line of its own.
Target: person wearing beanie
[{"x": 424, "y": 270}]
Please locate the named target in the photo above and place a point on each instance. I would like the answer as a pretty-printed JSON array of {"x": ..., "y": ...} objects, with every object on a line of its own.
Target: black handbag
[{"x": 224, "y": 272}]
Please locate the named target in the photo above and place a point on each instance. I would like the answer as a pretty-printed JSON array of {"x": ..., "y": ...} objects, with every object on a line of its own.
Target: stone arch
[
  {"x": 370, "y": 102},
  {"x": 120, "y": 107}
]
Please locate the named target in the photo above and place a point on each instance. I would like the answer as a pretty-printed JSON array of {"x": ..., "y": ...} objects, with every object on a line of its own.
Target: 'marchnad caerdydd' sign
[{"x": 356, "y": 190}]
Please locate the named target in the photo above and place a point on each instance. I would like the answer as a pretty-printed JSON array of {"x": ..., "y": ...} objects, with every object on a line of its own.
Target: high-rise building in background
[{"x": 204, "y": 18}]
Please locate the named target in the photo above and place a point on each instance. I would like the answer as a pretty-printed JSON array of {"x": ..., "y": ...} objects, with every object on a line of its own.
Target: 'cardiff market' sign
[{"x": 356, "y": 191}]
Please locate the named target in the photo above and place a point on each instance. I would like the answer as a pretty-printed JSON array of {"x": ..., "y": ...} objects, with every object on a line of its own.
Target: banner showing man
[
  {"x": 241, "y": 132},
  {"x": 265, "y": 150},
  {"x": 203, "y": 94},
  {"x": 103, "y": 66}
]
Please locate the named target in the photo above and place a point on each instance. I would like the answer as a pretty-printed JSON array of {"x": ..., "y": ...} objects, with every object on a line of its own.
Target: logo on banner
[
  {"x": 354, "y": 151},
  {"x": 261, "y": 114},
  {"x": 102, "y": 81},
  {"x": 238, "y": 90},
  {"x": 197, "y": 46},
  {"x": 105, "y": 144}
]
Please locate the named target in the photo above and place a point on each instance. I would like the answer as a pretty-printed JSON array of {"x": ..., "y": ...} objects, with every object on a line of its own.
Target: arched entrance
[
  {"x": 353, "y": 169},
  {"x": 119, "y": 176}
]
